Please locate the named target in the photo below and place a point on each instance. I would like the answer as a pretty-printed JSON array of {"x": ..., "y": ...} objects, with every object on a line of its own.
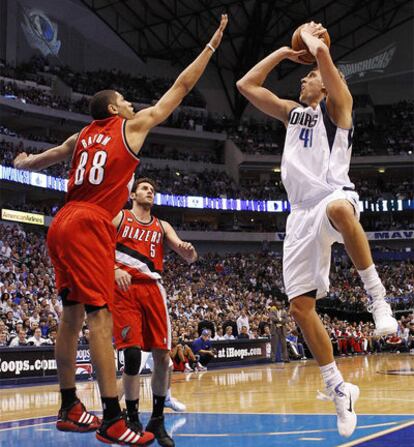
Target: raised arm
[
  {"x": 52, "y": 156},
  {"x": 184, "y": 249},
  {"x": 150, "y": 117},
  {"x": 251, "y": 85},
  {"x": 339, "y": 98}
]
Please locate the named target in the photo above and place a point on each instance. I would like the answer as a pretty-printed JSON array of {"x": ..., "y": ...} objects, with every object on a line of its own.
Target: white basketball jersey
[{"x": 316, "y": 156}]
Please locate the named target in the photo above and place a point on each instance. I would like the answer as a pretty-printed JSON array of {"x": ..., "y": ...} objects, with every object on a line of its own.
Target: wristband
[{"x": 211, "y": 47}]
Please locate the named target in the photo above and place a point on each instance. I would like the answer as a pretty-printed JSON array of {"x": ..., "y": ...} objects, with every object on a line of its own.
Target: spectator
[
  {"x": 219, "y": 335},
  {"x": 84, "y": 340},
  {"x": 205, "y": 324},
  {"x": 203, "y": 348},
  {"x": 279, "y": 318},
  {"x": 36, "y": 339},
  {"x": 394, "y": 343},
  {"x": 182, "y": 356},
  {"x": 229, "y": 334},
  {"x": 19, "y": 340},
  {"x": 243, "y": 320},
  {"x": 3, "y": 339},
  {"x": 243, "y": 335}
]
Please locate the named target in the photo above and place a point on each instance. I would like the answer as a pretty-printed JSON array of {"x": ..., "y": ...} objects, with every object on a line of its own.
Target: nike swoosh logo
[{"x": 350, "y": 404}]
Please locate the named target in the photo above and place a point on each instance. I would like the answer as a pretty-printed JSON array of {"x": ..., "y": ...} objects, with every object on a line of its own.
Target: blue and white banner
[
  {"x": 33, "y": 178},
  {"x": 197, "y": 202},
  {"x": 374, "y": 235}
]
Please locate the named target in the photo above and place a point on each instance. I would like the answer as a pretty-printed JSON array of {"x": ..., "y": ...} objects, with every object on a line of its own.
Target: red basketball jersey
[
  {"x": 139, "y": 247},
  {"x": 102, "y": 165}
]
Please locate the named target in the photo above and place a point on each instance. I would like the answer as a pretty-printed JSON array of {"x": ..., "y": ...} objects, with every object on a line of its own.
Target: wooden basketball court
[{"x": 260, "y": 406}]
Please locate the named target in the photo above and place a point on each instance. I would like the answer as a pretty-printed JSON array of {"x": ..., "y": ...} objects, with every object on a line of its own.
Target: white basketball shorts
[{"x": 307, "y": 246}]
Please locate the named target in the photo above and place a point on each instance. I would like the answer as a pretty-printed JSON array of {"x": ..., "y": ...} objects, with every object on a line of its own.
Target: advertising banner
[
  {"x": 34, "y": 362},
  {"x": 241, "y": 351}
]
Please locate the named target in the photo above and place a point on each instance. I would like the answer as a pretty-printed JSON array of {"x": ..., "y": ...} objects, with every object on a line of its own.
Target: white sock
[
  {"x": 372, "y": 282},
  {"x": 168, "y": 395},
  {"x": 331, "y": 376}
]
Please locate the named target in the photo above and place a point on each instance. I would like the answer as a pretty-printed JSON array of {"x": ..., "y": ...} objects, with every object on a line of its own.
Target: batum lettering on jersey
[
  {"x": 140, "y": 234},
  {"x": 304, "y": 119},
  {"x": 98, "y": 138}
]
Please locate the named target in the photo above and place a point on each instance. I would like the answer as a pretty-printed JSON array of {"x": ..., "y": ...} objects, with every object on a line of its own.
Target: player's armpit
[{"x": 118, "y": 219}]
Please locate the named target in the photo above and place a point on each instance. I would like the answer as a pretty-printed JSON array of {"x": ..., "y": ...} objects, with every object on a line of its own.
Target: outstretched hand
[
  {"x": 20, "y": 162},
  {"x": 218, "y": 35}
]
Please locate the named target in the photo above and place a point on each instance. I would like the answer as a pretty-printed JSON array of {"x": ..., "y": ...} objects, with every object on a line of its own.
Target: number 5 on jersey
[
  {"x": 96, "y": 171},
  {"x": 306, "y": 135}
]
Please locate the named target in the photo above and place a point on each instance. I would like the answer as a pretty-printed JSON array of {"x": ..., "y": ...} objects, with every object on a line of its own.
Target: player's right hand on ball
[{"x": 122, "y": 279}]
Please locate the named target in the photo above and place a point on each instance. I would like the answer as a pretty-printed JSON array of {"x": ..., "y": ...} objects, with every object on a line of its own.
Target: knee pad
[{"x": 132, "y": 358}]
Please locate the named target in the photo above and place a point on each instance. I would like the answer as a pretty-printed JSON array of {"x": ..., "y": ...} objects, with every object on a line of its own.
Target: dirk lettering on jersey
[
  {"x": 98, "y": 138},
  {"x": 140, "y": 234},
  {"x": 304, "y": 119}
]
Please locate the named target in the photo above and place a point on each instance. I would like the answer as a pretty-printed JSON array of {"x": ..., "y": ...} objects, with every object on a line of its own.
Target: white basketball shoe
[
  {"x": 344, "y": 397},
  {"x": 385, "y": 323},
  {"x": 174, "y": 404}
]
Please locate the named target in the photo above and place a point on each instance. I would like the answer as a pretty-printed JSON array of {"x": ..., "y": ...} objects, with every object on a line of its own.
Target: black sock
[
  {"x": 111, "y": 408},
  {"x": 157, "y": 406},
  {"x": 132, "y": 409},
  {"x": 68, "y": 397}
]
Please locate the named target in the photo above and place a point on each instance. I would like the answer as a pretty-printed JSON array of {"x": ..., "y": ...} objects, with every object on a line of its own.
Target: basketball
[{"x": 298, "y": 44}]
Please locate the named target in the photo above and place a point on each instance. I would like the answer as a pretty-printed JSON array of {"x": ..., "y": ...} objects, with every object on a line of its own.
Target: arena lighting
[{"x": 197, "y": 202}]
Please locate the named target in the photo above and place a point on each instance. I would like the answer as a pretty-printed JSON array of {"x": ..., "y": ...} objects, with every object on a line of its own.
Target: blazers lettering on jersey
[{"x": 141, "y": 234}]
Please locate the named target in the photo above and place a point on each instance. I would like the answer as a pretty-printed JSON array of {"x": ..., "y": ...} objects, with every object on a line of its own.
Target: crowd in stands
[
  {"x": 213, "y": 183},
  {"x": 164, "y": 152},
  {"x": 39, "y": 97},
  {"x": 139, "y": 88},
  {"x": 389, "y": 130},
  {"x": 218, "y": 292}
]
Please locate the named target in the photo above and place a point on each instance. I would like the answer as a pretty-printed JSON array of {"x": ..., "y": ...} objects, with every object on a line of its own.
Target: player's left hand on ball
[
  {"x": 314, "y": 29},
  {"x": 20, "y": 161}
]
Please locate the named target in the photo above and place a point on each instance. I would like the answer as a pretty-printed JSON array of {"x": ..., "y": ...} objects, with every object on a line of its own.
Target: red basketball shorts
[
  {"x": 81, "y": 243},
  {"x": 141, "y": 317}
]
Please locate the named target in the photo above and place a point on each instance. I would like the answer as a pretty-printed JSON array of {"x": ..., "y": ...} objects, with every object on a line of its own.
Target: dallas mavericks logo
[{"x": 41, "y": 32}]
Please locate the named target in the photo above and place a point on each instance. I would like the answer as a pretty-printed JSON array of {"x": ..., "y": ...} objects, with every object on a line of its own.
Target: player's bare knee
[
  {"x": 340, "y": 211},
  {"x": 299, "y": 309},
  {"x": 296, "y": 311}
]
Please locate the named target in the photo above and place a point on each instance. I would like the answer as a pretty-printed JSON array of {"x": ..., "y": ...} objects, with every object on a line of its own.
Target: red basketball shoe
[
  {"x": 118, "y": 431},
  {"x": 77, "y": 419}
]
